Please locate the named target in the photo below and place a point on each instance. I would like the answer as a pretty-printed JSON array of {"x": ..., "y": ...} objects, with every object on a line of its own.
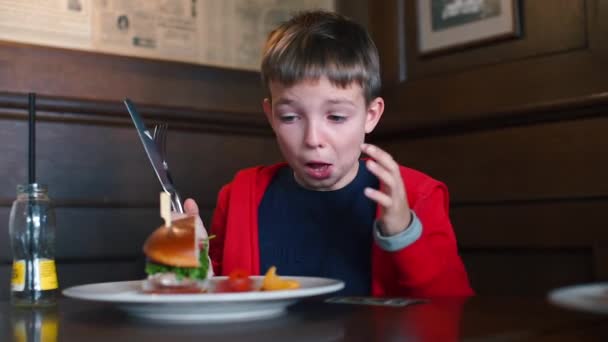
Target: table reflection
[
  {"x": 34, "y": 324},
  {"x": 310, "y": 320},
  {"x": 473, "y": 319}
]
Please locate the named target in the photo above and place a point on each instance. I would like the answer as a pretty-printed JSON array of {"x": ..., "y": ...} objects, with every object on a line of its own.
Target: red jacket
[{"x": 430, "y": 267}]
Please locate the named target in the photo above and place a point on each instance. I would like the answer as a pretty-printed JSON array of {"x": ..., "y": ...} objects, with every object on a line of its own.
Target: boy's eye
[
  {"x": 288, "y": 117},
  {"x": 336, "y": 117}
]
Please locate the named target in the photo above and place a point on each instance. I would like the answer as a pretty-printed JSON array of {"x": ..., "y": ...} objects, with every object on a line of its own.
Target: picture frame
[{"x": 445, "y": 25}]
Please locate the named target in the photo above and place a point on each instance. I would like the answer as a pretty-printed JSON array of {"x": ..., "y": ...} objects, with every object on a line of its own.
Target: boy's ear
[
  {"x": 374, "y": 113},
  {"x": 267, "y": 106}
]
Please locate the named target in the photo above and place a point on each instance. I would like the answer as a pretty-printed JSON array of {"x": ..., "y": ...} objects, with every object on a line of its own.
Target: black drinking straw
[
  {"x": 32, "y": 138},
  {"x": 31, "y": 180}
]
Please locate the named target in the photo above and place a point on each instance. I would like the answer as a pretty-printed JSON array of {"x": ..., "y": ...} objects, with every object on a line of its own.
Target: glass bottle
[{"x": 32, "y": 234}]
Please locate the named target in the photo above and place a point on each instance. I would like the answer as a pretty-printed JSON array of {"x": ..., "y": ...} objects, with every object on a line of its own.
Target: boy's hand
[
  {"x": 190, "y": 209},
  {"x": 395, "y": 215}
]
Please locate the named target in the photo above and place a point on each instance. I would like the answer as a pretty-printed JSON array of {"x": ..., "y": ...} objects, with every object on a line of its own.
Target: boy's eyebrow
[
  {"x": 336, "y": 101},
  {"x": 342, "y": 101},
  {"x": 283, "y": 101}
]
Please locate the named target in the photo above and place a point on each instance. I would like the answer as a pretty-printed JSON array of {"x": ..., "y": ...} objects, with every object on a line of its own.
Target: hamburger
[{"x": 177, "y": 258}]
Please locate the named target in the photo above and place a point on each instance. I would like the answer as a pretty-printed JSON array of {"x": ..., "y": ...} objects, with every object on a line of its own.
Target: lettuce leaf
[{"x": 199, "y": 273}]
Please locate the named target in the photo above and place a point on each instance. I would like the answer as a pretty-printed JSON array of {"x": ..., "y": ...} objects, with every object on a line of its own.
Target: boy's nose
[{"x": 313, "y": 136}]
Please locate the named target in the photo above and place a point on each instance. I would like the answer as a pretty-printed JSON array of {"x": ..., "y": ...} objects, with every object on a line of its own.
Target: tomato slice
[{"x": 238, "y": 281}]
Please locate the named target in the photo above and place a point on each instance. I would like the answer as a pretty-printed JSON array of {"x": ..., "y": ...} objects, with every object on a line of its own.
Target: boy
[{"x": 381, "y": 228}]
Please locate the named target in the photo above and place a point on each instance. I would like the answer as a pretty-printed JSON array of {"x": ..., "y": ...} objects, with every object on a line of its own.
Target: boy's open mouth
[{"x": 318, "y": 170}]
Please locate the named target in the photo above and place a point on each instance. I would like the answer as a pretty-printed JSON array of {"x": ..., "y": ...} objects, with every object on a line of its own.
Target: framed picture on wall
[{"x": 454, "y": 24}]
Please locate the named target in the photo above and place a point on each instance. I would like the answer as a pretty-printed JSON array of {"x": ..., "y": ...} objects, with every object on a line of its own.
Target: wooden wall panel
[
  {"x": 96, "y": 76},
  {"x": 521, "y": 194},
  {"x": 107, "y": 164},
  {"x": 553, "y": 160},
  {"x": 497, "y": 92},
  {"x": 526, "y": 272},
  {"x": 532, "y": 224}
]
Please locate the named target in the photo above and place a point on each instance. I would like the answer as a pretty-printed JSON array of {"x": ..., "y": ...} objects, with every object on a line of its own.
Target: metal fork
[{"x": 160, "y": 138}]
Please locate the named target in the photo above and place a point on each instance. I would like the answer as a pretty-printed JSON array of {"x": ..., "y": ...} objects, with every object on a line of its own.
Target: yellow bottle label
[
  {"x": 18, "y": 278},
  {"x": 48, "y": 274}
]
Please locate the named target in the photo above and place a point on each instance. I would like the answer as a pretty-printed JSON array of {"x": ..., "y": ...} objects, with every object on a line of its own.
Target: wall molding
[
  {"x": 569, "y": 109},
  {"x": 83, "y": 111},
  {"x": 212, "y": 120},
  {"x": 215, "y": 120}
]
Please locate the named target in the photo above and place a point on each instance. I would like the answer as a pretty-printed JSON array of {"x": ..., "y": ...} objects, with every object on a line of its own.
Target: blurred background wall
[{"x": 514, "y": 126}]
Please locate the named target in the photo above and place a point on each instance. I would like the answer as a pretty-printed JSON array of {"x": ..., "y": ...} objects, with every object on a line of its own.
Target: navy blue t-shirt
[{"x": 319, "y": 233}]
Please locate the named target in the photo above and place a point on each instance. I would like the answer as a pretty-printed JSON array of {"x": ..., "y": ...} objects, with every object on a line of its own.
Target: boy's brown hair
[{"x": 318, "y": 43}]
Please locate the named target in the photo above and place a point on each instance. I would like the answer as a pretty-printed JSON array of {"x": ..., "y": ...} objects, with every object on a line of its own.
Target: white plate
[
  {"x": 586, "y": 297},
  {"x": 204, "y": 307}
]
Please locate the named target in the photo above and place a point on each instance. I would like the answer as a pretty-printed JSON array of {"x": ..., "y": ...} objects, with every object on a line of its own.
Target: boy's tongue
[{"x": 318, "y": 170}]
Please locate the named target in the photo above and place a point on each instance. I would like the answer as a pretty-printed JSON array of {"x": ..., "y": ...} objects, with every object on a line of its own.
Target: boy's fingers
[
  {"x": 382, "y": 173},
  {"x": 190, "y": 207},
  {"x": 391, "y": 176},
  {"x": 177, "y": 216},
  {"x": 199, "y": 224},
  {"x": 381, "y": 156},
  {"x": 379, "y": 197}
]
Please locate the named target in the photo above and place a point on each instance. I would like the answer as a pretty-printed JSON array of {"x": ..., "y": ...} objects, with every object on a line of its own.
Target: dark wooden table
[{"x": 475, "y": 319}]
